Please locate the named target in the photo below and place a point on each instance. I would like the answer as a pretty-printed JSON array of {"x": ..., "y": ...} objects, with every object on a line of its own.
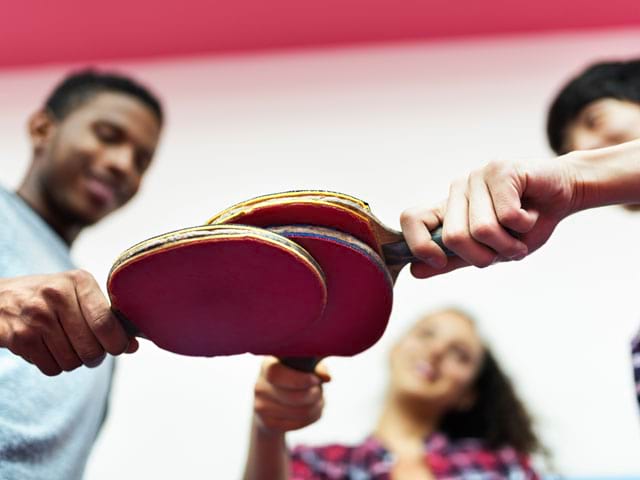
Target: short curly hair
[{"x": 80, "y": 86}]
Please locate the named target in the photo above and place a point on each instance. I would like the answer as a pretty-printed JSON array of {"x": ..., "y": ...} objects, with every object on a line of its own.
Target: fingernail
[
  {"x": 96, "y": 362},
  {"x": 519, "y": 256},
  {"x": 436, "y": 262}
]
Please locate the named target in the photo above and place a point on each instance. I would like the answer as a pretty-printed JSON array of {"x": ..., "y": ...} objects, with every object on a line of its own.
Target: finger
[
  {"x": 98, "y": 315},
  {"x": 484, "y": 225},
  {"x": 281, "y": 413},
  {"x": 42, "y": 358},
  {"x": 293, "y": 398},
  {"x": 60, "y": 348},
  {"x": 276, "y": 424},
  {"x": 417, "y": 225},
  {"x": 422, "y": 270},
  {"x": 506, "y": 192},
  {"x": 267, "y": 407},
  {"x": 455, "y": 230},
  {"x": 285, "y": 377},
  {"x": 133, "y": 345},
  {"x": 322, "y": 372},
  {"x": 62, "y": 300}
]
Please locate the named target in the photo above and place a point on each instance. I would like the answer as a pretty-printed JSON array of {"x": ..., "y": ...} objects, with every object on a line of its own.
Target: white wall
[{"x": 392, "y": 125}]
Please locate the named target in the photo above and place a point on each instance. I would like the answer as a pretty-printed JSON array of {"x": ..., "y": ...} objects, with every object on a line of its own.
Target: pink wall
[{"x": 40, "y": 31}]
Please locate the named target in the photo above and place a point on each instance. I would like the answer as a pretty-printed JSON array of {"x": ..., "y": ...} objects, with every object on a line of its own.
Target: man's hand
[
  {"x": 59, "y": 322},
  {"x": 286, "y": 399},
  {"x": 501, "y": 212}
]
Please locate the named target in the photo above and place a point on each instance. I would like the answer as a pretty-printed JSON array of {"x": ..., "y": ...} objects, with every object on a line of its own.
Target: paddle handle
[
  {"x": 398, "y": 253},
  {"x": 302, "y": 364},
  {"x": 128, "y": 326}
]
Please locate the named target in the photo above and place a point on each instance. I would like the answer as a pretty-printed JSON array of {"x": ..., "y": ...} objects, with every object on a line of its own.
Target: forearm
[
  {"x": 607, "y": 176},
  {"x": 267, "y": 458}
]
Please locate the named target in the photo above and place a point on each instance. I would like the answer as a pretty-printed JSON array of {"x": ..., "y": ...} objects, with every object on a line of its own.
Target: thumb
[
  {"x": 322, "y": 372},
  {"x": 133, "y": 345}
]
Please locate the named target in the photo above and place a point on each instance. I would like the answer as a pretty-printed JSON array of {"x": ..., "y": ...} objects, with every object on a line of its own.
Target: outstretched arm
[{"x": 507, "y": 210}]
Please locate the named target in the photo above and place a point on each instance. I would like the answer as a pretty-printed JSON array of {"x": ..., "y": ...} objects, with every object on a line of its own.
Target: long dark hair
[{"x": 498, "y": 417}]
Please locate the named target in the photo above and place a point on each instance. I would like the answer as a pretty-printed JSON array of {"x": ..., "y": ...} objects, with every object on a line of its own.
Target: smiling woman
[{"x": 449, "y": 411}]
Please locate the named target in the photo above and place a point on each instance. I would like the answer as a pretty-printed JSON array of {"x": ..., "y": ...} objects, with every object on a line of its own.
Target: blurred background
[{"x": 387, "y": 101}]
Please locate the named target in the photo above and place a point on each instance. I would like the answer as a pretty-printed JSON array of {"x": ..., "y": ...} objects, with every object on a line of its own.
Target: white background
[{"x": 392, "y": 125}]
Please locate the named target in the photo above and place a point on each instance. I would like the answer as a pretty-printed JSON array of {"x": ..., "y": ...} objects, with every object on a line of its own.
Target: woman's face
[{"x": 437, "y": 361}]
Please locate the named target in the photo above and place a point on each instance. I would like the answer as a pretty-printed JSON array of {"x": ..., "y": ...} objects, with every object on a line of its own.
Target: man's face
[
  {"x": 604, "y": 123},
  {"x": 96, "y": 156}
]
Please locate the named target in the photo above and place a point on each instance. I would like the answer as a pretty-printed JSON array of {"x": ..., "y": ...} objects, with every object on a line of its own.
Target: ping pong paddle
[
  {"x": 359, "y": 298},
  {"x": 217, "y": 290},
  {"x": 332, "y": 226},
  {"x": 334, "y": 210}
]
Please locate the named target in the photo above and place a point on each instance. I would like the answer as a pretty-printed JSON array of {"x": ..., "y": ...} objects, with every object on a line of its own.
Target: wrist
[
  {"x": 605, "y": 176},
  {"x": 266, "y": 433}
]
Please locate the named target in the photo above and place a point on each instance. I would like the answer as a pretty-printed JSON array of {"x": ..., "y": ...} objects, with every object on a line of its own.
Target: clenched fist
[
  {"x": 59, "y": 322},
  {"x": 286, "y": 399}
]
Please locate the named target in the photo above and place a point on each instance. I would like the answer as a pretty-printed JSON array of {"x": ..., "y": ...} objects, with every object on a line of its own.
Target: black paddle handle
[
  {"x": 302, "y": 364},
  {"x": 128, "y": 326},
  {"x": 398, "y": 253}
]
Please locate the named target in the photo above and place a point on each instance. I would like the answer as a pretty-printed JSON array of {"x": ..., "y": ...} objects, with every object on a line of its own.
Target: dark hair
[
  {"x": 78, "y": 87},
  {"x": 620, "y": 80},
  {"x": 498, "y": 417}
]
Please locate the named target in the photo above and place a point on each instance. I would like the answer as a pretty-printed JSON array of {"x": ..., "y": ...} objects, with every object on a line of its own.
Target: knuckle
[
  {"x": 260, "y": 389},
  {"x": 69, "y": 362},
  {"x": 79, "y": 276},
  {"x": 52, "y": 293},
  {"x": 102, "y": 323},
  {"x": 91, "y": 355},
  {"x": 316, "y": 393},
  {"x": 494, "y": 167},
  {"x": 270, "y": 373},
  {"x": 47, "y": 367},
  {"x": 483, "y": 231},
  {"x": 507, "y": 216},
  {"x": 409, "y": 214},
  {"x": 455, "y": 238},
  {"x": 25, "y": 339},
  {"x": 36, "y": 309},
  {"x": 422, "y": 249},
  {"x": 485, "y": 261},
  {"x": 260, "y": 407},
  {"x": 50, "y": 371}
]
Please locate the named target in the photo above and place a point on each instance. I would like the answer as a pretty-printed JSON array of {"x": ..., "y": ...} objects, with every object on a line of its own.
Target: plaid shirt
[{"x": 447, "y": 459}]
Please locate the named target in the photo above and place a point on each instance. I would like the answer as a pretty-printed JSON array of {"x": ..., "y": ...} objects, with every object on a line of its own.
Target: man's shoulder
[
  {"x": 6, "y": 197},
  {"x": 8, "y": 208}
]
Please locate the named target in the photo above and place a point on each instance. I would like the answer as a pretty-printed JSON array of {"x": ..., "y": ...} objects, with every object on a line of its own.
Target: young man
[
  {"x": 597, "y": 108},
  {"x": 92, "y": 142}
]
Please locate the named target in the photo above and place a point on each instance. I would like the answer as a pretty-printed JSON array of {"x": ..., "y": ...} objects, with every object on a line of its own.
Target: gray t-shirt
[{"x": 47, "y": 424}]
